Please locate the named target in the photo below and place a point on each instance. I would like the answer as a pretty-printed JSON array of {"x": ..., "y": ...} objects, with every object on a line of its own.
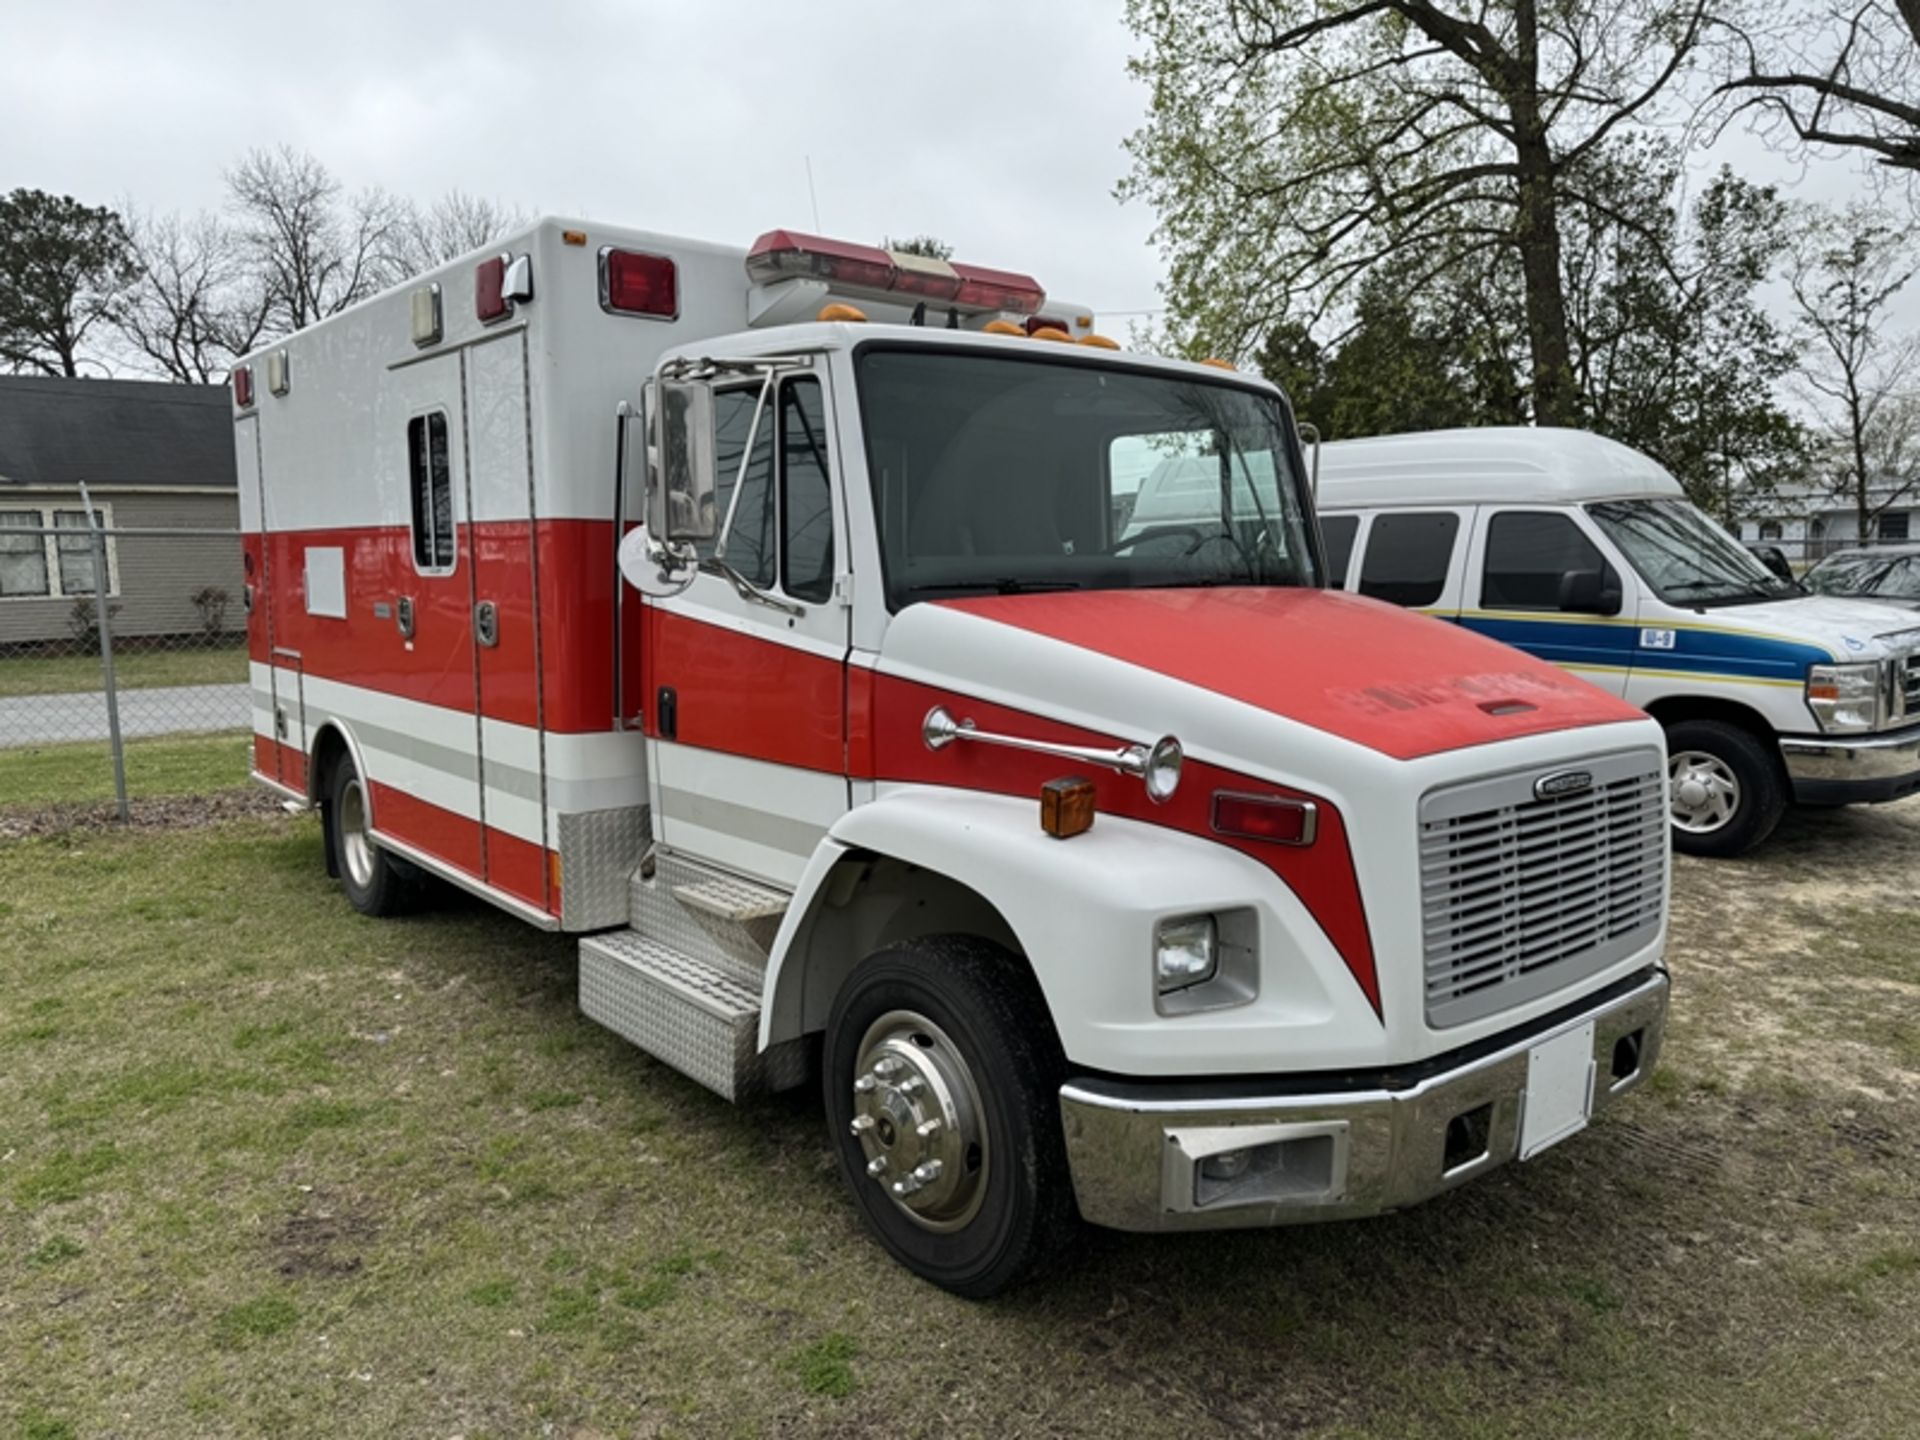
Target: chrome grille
[
  {"x": 1910, "y": 685},
  {"x": 1521, "y": 894}
]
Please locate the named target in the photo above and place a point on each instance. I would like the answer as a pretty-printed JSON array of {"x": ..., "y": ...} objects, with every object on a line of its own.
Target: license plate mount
[{"x": 1559, "y": 1102}]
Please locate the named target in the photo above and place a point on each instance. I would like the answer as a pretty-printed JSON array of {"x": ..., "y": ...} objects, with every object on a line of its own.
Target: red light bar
[
  {"x": 489, "y": 285},
  {"x": 1265, "y": 817},
  {"x": 636, "y": 284},
  {"x": 788, "y": 254},
  {"x": 243, "y": 385}
]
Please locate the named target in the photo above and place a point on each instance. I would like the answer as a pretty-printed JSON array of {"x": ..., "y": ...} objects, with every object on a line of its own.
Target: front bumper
[
  {"x": 1853, "y": 769},
  {"x": 1344, "y": 1147}
]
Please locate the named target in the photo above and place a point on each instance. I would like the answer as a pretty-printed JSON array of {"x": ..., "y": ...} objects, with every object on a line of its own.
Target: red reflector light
[
  {"x": 1265, "y": 817},
  {"x": 637, "y": 284},
  {"x": 489, "y": 287},
  {"x": 243, "y": 385}
]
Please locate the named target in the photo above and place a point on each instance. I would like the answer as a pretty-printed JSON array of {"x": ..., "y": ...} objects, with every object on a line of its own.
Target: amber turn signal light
[{"x": 1066, "y": 806}]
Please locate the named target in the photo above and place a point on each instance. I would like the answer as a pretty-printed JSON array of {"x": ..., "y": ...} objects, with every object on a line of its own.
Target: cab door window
[
  {"x": 782, "y": 533},
  {"x": 806, "y": 495},
  {"x": 1529, "y": 554},
  {"x": 1408, "y": 556},
  {"x": 752, "y": 548}
]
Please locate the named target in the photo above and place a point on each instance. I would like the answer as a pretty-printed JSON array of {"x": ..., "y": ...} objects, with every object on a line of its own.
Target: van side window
[
  {"x": 430, "y": 478},
  {"x": 751, "y": 543},
  {"x": 806, "y": 497},
  {"x": 1339, "y": 531},
  {"x": 1407, "y": 556},
  {"x": 1528, "y": 552}
]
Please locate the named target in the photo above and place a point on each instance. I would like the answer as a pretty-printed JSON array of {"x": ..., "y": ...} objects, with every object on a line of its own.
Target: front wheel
[
  {"x": 941, "y": 1077},
  {"x": 1725, "y": 791}
]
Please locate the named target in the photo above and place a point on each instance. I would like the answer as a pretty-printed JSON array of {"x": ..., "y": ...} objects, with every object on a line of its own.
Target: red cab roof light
[
  {"x": 632, "y": 283},
  {"x": 788, "y": 254}
]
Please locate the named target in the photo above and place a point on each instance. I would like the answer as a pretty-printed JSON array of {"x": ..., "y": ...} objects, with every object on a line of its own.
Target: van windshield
[
  {"x": 1685, "y": 557},
  {"x": 1002, "y": 474}
]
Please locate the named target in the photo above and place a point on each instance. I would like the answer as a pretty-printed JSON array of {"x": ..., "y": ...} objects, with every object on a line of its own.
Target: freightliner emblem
[{"x": 1562, "y": 782}]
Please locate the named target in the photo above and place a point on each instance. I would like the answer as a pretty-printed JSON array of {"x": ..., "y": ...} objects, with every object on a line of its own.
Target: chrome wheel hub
[
  {"x": 356, "y": 848},
  {"x": 917, "y": 1116},
  {"x": 1703, "y": 793}
]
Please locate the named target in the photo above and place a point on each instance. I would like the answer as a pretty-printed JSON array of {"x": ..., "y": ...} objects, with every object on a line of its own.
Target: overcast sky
[{"x": 994, "y": 124}]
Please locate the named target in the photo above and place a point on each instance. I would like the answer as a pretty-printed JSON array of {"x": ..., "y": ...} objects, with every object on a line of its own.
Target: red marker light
[
  {"x": 489, "y": 286},
  {"x": 1265, "y": 817},
  {"x": 636, "y": 284},
  {"x": 243, "y": 386}
]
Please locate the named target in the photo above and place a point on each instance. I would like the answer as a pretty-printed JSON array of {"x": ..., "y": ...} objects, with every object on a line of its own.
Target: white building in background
[{"x": 1811, "y": 521}]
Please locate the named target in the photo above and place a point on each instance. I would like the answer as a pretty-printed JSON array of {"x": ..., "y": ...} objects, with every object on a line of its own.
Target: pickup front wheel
[{"x": 942, "y": 1082}]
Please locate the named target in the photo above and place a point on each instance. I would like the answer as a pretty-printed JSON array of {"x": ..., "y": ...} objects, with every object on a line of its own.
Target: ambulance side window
[
  {"x": 806, "y": 496},
  {"x": 1408, "y": 556},
  {"x": 430, "y": 476},
  {"x": 1339, "y": 531},
  {"x": 751, "y": 544}
]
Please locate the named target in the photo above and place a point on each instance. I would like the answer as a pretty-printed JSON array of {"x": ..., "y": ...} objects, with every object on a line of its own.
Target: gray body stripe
[{"x": 794, "y": 837}]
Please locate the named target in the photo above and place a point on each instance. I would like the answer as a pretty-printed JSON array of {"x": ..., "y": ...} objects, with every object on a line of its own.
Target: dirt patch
[
  {"x": 177, "y": 812},
  {"x": 324, "y": 1241}
]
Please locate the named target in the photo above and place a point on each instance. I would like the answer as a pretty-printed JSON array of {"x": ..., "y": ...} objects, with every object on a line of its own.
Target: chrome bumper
[
  {"x": 1839, "y": 769},
  {"x": 1136, "y": 1149}
]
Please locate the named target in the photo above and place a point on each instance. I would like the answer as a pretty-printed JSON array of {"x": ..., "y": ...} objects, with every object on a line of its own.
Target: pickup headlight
[{"x": 1846, "y": 698}]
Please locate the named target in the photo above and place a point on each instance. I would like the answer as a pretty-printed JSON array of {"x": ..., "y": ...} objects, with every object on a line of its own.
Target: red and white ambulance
[{"x": 779, "y": 621}]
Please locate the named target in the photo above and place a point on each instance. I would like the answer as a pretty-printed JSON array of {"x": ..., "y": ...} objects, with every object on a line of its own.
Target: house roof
[{"x": 57, "y": 432}]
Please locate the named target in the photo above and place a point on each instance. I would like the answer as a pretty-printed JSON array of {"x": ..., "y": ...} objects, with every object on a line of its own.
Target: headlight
[
  {"x": 1845, "y": 697},
  {"x": 1185, "y": 952}
]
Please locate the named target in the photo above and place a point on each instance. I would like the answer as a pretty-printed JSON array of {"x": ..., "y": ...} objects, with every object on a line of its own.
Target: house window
[
  {"x": 430, "y": 475},
  {"x": 1769, "y": 530},
  {"x": 1894, "y": 525},
  {"x": 47, "y": 554}
]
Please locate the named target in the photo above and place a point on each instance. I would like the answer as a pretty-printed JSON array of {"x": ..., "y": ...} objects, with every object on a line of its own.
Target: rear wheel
[
  {"x": 1725, "y": 792},
  {"x": 375, "y": 882},
  {"x": 941, "y": 1078}
]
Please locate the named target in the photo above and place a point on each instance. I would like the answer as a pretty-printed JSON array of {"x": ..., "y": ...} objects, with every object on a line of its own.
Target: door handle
[
  {"x": 486, "y": 623},
  {"x": 403, "y": 616}
]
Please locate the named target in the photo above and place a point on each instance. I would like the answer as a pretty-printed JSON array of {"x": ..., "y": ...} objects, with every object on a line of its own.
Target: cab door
[
  {"x": 1520, "y": 593},
  {"x": 745, "y": 674}
]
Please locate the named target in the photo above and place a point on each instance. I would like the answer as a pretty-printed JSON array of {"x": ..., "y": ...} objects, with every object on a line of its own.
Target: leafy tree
[
  {"x": 1295, "y": 145},
  {"x": 63, "y": 266},
  {"x": 930, "y": 246},
  {"x": 1844, "y": 74},
  {"x": 1847, "y": 269}
]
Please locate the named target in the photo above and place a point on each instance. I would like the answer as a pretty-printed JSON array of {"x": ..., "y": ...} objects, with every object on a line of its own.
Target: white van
[{"x": 1584, "y": 552}]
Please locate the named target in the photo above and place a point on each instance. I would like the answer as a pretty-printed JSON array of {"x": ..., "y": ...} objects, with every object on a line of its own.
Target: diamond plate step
[
  {"x": 696, "y": 1017},
  {"x": 725, "y": 921}
]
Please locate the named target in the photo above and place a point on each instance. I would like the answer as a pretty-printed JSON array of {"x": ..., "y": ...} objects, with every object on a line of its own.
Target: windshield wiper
[{"x": 1006, "y": 585}]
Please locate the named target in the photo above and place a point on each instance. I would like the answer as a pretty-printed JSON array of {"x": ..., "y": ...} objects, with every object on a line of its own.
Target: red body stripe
[
  {"x": 1321, "y": 874},
  {"x": 1403, "y": 684}
]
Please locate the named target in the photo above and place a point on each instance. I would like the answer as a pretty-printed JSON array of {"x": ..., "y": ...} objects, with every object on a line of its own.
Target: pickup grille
[
  {"x": 1522, "y": 894},
  {"x": 1910, "y": 686}
]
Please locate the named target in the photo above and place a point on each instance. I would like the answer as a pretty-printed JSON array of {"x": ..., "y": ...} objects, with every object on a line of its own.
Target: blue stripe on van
[{"x": 1700, "y": 652}]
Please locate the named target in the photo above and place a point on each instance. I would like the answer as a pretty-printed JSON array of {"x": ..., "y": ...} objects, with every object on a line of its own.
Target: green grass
[
  {"x": 273, "y": 1168},
  {"x": 160, "y": 765},
  {"x": 133, "y": 669}
]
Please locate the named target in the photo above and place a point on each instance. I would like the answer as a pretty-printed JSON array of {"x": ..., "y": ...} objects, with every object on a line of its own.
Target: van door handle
[{"x": 486, "y": 623}]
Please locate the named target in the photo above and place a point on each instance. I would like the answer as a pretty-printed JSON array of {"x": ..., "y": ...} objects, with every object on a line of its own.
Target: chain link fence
[{"x": 140, "y": 692}]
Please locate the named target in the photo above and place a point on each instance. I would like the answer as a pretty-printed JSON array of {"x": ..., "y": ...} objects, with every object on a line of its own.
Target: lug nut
[
  {"x": 888, "y": 1065},
  {"x": 927, "y": 1172},
  {"x": 927, "y": 1129},
  {"x": 913, "y": 1086},
  {"x": 862, "y": 1124},
  {"x": 864, "y": 1084},
  {"x": 877, "y": 1166}
]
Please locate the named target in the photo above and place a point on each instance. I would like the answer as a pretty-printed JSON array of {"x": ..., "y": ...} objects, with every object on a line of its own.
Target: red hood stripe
[{"x": 1400, "y": 683}]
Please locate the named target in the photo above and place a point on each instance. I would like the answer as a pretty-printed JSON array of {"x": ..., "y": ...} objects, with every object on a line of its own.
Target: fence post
[{"x": 103, "y": 613}]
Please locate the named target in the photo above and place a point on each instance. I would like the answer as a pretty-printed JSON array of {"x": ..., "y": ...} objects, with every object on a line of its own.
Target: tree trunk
[{"x": 1555, "y": 400}]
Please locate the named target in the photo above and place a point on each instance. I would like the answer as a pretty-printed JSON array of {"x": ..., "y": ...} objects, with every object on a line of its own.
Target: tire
[
  {"x": 965, "y": 1019},
  {"x": 375, "y": 882},
  {"x": 1727, "y": 790}
]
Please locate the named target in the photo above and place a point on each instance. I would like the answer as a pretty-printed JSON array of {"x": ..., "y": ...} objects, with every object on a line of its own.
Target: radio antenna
[{"x": 812, "y": 198}]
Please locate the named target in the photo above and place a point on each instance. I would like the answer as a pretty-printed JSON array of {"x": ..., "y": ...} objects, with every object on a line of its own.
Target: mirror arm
[
  {"x": 740, "y": 476},
  {"x": 747, "y": 590}
]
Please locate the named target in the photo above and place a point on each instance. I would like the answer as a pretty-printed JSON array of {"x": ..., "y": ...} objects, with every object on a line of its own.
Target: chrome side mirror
[{"x": 680, "y": 478}]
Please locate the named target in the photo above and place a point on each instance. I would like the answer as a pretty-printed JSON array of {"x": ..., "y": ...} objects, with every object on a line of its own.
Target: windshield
[
  {"x": 1684, "y": 556},
  {"x": 995, "y": 474},
  {"x": 1891, "y": 577}
]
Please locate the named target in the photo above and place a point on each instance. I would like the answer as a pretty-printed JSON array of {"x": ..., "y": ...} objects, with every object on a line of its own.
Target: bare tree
[
  {"x": 317, "y": 249},
  {"x": 1847, "y": 268},
  {"x": 1843, "y": 74},
  {"x": 454, "y": 225},
  {"x": 197, "y": 304},
  {"x": 1293, "y": 145}
]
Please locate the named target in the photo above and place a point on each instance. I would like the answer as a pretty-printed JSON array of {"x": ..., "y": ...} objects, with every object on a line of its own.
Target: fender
[{"x": 1082, "y": 911}]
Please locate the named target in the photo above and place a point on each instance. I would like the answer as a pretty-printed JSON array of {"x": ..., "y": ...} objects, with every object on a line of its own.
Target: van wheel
[
  {"x": 375, "y": 882},
  {"x": 942, "y": 1080},
  {"x": 1725, "y": 792}
]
